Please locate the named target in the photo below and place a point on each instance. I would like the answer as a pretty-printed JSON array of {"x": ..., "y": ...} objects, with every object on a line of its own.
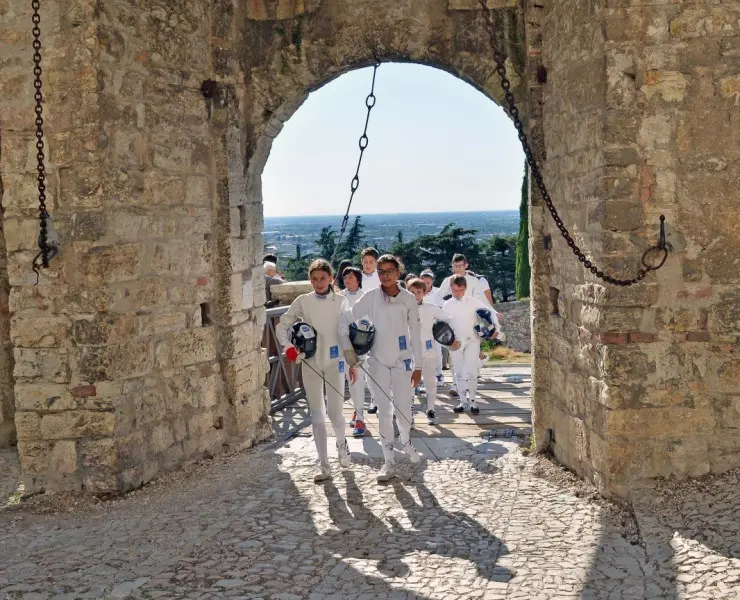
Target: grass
[
  {"x": 506, "y": 355},
  {"x": 16, "y": 497}
]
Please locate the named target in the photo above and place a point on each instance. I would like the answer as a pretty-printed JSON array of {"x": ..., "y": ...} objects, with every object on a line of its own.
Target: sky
[{"x": 436, "y": 145}]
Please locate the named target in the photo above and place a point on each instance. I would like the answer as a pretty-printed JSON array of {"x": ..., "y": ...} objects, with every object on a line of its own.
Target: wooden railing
[{"x": 284, "y": 381}]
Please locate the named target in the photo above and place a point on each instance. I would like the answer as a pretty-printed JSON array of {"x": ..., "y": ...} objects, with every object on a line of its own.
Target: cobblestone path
[{"x": 483, "y": 522}]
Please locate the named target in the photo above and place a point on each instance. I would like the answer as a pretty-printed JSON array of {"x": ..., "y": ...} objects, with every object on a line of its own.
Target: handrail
[{"x": 283, "y": 383}]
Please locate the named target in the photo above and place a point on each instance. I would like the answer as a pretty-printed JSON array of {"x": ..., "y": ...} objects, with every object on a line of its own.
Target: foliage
[
  {"x": 523, "y": 271},
  {"x": 353, "y": 242},
  {"x": 494, "y": 257},
  {"x": 327, "y": 242}
]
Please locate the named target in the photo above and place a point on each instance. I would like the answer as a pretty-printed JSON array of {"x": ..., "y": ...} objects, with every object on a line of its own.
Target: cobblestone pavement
[{"x": 485, "y": 522}]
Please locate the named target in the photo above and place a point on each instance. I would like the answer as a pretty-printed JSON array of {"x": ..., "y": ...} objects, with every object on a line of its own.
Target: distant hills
[{"x": 284, "y": 233}]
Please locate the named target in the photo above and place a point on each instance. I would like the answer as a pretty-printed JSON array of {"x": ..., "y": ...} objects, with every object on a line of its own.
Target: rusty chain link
[
  {"x": 363, "y": 143},
  {"x": 642, "y": 271},
  {"x": 47, "y": 250}
]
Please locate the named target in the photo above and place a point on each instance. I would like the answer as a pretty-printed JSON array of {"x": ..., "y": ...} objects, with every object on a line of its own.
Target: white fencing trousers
[
  {"x": 465, "y": 367},
  {"x": 357, "y": 391},
  {"x": 438, "y": 349},
  {"x": 429, "y": 375},
  {"x": 314, "y": 386},
  {"x": 369, "y": 385},
  {"x": 395, "y": 382}
]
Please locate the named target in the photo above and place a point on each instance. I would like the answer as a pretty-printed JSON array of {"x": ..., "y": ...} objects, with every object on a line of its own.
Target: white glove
[{"x": 350, "y": 356}]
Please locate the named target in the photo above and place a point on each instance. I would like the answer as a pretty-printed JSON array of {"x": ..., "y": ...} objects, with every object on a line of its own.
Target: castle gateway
[{"x": 140, "y": 346}]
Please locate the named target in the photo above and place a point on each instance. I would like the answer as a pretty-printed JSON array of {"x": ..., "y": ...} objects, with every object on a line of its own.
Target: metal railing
[{"x": 284, "y": 381}]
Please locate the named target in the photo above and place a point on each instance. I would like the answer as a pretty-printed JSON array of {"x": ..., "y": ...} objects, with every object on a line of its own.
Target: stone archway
[{"x": 139, "y": 350}]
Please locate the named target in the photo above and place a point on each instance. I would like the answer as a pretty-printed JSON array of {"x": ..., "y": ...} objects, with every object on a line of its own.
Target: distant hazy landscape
[{"x": 284, "y": 233}]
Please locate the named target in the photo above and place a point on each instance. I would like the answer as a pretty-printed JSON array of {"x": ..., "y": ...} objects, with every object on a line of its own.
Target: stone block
[
  {"x": 63, "y": 457},
  {"x": 102, "y": 329},
  {"x": 39, "y": 331},
  {"x": 77, "y": 424},
  {"x": 119, "y": 361},
  {"x": 98, "y": 454},
  {"x": 724, "y": 317},
  {"x": 194, "y": 346},
  {"x": 27, "y": 426},
  {"x": 111, "y": 264},
  {"x": 49, "y": 365},
  {"x": 158, "y": 324},
  {"x": 657, "y": 423}
]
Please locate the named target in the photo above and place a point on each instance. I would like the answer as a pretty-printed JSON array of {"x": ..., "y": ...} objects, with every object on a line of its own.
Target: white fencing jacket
[
  {"x": 428, "y": 314},
  {"x": 462, "y": 316},
  {"x": 351, "y": 297},
  {"x": 434, "y": 297},
  {"x": 470, "y": 290},
  {"x": 397, "y": 327},
  {"x": 323, "y": 313},
  {"x": 370, "y": 281}
]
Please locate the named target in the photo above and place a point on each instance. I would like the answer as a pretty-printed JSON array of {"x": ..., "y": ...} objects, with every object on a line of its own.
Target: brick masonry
[{"x": 156, "y": 192}]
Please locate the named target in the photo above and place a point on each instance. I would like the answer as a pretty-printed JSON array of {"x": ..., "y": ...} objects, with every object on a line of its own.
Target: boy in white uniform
[
  {"x": 352, "y": 292},
  {"x": 321, "y": 309},
  {"x": 433, "y": 296},
  {"x": 370, "y": 281},
  {"x": 459, "y": 267},
  {"x": 428, "y": 314},
  {"x": 394, "y": 359},
  {"x": 461, "y": 311}
]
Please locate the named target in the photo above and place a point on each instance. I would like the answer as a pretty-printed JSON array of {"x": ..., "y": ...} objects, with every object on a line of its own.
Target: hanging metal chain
[
  {"x": 48, "y": 251},
  {"x": 661, "y": 247},
  {"x": 369, "y": 103}
]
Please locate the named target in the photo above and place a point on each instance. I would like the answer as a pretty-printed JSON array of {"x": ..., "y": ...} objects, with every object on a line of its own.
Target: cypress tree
[{"x": 522, "y": 244}]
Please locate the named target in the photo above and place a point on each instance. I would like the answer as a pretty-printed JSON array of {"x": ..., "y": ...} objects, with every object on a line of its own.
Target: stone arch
[{"x": 140, "y": 350}]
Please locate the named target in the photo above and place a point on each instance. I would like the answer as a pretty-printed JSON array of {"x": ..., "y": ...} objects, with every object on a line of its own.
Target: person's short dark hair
[
  {"x": 389, "y": 258},
  {"x": 340, "y": 270},
  {"x": 352, "y": 271},
  {"x": 270, "y": 258},
  {"x": 370, "y": 252},
  {"x": 459, "y": 280},
  {"x": 457, "y": 257},
  {"x": 416, "y": 283}
]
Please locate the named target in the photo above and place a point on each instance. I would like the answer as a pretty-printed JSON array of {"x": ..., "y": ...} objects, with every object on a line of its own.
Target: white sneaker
[
  {"x": 387, "y": 472},
  {"x": 323, "y": 471},
  {"x": 413, "y": 456},
  {"x": 345, "y": 460}
]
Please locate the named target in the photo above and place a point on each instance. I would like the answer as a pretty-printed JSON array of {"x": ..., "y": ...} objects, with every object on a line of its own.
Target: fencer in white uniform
[
  {"x": 322, "y": 309},
  {"x": 459, "y": 267},
  {"x": 461, "y": 310},
  {"x": 394, "y": 359},
  {"x": 370, "y": 281},
  {"x": 428, "y": 314},
  {"x": 352, "y": 292},
  {"x": 433, "y": 296}
]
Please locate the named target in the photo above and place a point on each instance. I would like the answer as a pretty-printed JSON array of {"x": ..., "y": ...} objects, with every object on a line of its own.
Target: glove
[
  {"x": 292, "y": 354},
  {"x": 351, "y": 358}
]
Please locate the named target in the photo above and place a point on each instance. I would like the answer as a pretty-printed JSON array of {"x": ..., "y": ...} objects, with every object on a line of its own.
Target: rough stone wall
[
  {"x": 636, "y": 100},
  {"x": 7, "y": 399},
  {"x": 126, "y": 353},
  {"x": 516, "y": 323},
  {"x": 140, "y": 348}
]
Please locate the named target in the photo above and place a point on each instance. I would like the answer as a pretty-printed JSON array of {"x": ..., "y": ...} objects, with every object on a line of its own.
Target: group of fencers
[{"x": 388, "y": 334}]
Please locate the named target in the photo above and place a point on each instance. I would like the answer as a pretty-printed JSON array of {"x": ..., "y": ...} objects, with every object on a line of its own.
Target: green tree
[
  {"x": 327, "y": 242},
  {"x": 523, "y": 271},
  {"x": 499, "y": 266},
  {"x": 296, "y": 269},
  {"x": 353, "y": 242}
]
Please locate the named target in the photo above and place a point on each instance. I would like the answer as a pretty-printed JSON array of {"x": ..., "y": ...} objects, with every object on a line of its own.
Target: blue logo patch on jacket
[
  {"x": 407, "y": 362},
  {"x": 341, "y": 366},
  {"x": 402, "y": 342},
  {"x": 334, "y": 352},
  {"x": 429, "y": 344}
]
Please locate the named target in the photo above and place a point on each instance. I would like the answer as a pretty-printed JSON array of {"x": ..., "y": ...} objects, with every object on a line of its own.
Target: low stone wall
[
  {"x": 515, "y": 323},
  {"x": 286, "y": 292}
]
